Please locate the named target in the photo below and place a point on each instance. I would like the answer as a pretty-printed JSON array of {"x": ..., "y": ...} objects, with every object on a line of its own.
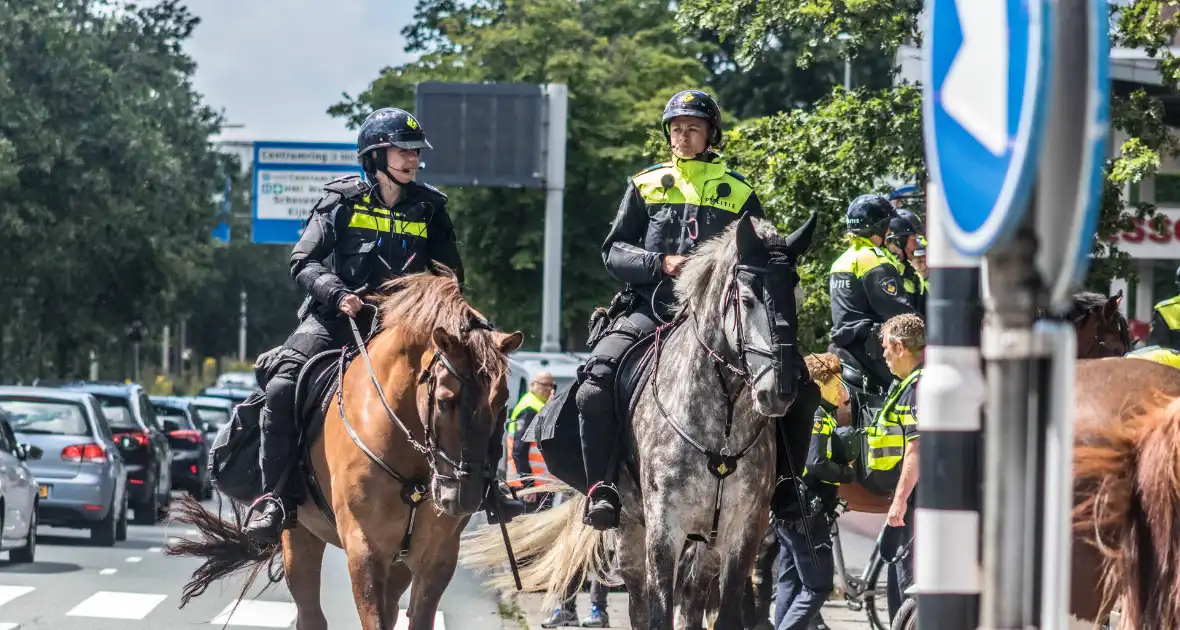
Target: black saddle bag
[
  {"x": 557, "y": 434},
  {"x": 233, "y": 458}
]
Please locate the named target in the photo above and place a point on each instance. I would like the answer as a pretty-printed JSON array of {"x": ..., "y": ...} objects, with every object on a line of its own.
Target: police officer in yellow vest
[
  {"x": 666, "y": 209},
  {"x": 1159, "y": 354},
  {"x": 1165, "y": 321},
  {"x": 866, "y": 288},
  {"x": 806, "y": 568},
  {"x": 524, "y": 457},
  {"x": 905, "y": 236},
  {"x": 893, "y": 440}
]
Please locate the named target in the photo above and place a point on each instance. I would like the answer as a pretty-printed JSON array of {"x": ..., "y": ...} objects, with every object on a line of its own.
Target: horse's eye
[
  {"x": 446, "y": 404},
  {"x": 748, "y": 301}
]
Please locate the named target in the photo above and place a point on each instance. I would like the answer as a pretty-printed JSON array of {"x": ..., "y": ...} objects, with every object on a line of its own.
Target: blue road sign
[
  {"x": 289, "y": 179},
  {"x": 222, "y": 231},
  {"x": 985, "y": 73}
]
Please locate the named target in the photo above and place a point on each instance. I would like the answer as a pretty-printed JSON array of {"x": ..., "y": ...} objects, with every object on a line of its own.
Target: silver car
[{"x": 81, "y": 476}]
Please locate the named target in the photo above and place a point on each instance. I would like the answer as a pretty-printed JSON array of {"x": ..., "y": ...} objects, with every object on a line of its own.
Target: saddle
[
  {"x": 556, "y": 429},
  {"x": 233, "y": 458}
]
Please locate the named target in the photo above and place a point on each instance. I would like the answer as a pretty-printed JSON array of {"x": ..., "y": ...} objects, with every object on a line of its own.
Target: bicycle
[{"x": 869, "y": 590}]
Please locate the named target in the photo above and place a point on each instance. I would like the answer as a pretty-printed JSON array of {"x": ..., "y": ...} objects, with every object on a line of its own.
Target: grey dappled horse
[{"x": 721, "y": 365}]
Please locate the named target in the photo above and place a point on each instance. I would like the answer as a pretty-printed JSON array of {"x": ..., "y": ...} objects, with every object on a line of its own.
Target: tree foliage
[
  {"x": 107, "y": 180},
  {"x": 849, "y": 143}
]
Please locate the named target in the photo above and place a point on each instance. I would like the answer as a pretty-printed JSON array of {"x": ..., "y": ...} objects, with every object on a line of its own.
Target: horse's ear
[
  {"x": 509, "y": 342},
  {"x": 748, "y": 242},
  {"x": 800, "y": 240},
  {"x": 1112, "y": 306},
  {"x": 445, "y": 341}
]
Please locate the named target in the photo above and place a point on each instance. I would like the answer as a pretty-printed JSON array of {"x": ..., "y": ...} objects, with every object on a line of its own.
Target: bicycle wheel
[
  {"x": 907, "y": 616},
  {"x": 876, "y": 593}
]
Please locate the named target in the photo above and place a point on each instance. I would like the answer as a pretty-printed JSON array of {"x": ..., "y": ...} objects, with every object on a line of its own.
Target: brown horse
[
  {"x": 1127, "y": 493},
  {"x": 443, "y": 370},
  {"x": 1102, "y": 332}
]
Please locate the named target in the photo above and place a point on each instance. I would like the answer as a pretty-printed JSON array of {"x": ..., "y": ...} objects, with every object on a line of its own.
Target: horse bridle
[
  {"x": 431, "y": 450},
  {"x": 1097, "y": 339},
  {"x": 724, "y": 462}
]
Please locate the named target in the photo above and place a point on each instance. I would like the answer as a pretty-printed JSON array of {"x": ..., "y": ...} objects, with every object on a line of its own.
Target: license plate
[{"x": 43, "y": 492}]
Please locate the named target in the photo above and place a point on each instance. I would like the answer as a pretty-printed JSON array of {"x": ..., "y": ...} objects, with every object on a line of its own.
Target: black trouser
[
  {"x": 805, "y": 580},
  {"x": 873, "y": 365},
  {"x": 280, "y": 426},
  {"x": 597, "y": 419},
  {"x": 598, "y": 593},
  {"x": 901, "y": 573}
]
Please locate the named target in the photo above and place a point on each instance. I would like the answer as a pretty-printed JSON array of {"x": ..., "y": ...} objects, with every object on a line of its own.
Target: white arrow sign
[{"x": 975, "y": 93}]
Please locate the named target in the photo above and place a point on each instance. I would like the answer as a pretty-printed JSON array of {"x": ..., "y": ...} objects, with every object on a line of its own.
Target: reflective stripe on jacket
[
  {"x": 895, "y": 424},
  {"x": 537, "y": 466}
]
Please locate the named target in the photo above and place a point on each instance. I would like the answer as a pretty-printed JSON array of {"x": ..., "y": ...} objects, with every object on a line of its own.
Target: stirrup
[
  {"x": 603, "y": 486},
  {"x": 259, "y": 505}
]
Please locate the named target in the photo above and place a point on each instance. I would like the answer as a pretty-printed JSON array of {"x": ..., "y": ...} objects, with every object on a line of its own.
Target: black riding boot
[
  {"x": 276, "y": 506},
  {"x": 599, "y": 432}
]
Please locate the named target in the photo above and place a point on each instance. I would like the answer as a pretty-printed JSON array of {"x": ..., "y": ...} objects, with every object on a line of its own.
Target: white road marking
[
  {"x": 155, "y": 549},
  {"x": 108, "y": 572},
  {"x": 9, "y": 593},
  {"x": 403, "y": 622},
  {"x": 257, "y": 614},
  {"x": 134, "y": 559},
  {"x": 114, "y": 605},
  {"x": 9, "y": 626}
]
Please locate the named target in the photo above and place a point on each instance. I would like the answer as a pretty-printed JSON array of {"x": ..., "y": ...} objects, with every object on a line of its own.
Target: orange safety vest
[{"x": 536, "y": 462}]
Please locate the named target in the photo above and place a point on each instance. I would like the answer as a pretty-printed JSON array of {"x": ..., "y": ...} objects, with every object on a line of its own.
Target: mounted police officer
[
  {"x": 906, "y": 235},
  {"x": 867, "y": 288},
  {"x": 666, "y": 209},
  {"x": 359, "y": 235}
]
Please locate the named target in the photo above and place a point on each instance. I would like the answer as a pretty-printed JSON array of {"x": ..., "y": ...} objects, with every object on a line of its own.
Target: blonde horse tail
[
  {"x": 1127, "y": 477},
  {"x": 552, "y": 548}
]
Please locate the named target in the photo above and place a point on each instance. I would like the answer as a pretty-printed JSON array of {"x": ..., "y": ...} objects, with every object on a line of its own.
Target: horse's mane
[
  {"x": 420, "y": 302},
  {"x": 705, "y": 272},
  {"x": 1082, "y": 303}
]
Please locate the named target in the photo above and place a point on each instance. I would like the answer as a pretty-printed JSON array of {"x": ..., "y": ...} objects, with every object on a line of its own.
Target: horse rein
[
  {"x": 414, "y": 492},
  {"x": 1097, "y": 339},
  {"x": 724, "y": 462}
]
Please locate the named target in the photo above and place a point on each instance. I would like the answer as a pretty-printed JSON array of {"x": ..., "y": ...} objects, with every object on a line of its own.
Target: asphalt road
[{"x": 133, "y": 585}]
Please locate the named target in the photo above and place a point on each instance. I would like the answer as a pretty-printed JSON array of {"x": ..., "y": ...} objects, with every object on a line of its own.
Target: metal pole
[
  {"x": 164, "y": 358},
  {"x": 242, "y": 330},
  {"x": 847, "y": 74},
  {"x": 951, "y": 398},
  {"x": 1013, "y": 444},
  {"x": 93, "y": 366},
  {"x": 1057, "y": 415},
  {"x": 180, "y": 344},
  {"x": 135, "y": 378},
  {"x": 558, "y": 100}
]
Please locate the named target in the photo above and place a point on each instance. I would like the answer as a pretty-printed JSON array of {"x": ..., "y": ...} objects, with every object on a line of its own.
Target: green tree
[
  {"x": 867, "y": 139},
  {"x": 622, "y": 60},
  {"x": 106, "y": 176}
]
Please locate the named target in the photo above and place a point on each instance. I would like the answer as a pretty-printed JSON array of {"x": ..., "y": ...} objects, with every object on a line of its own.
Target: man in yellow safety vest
[{"x": 524, "y": 459}]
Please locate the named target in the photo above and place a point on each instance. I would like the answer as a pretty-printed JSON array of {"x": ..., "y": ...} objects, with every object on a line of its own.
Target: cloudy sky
[{"x": 277, "y": 65}]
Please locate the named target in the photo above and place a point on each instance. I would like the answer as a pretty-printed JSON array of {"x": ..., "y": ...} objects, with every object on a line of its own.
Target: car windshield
[
  {"x": 118, "y": 413},
  {"x": 166, "y": 414},
  {"x": 214, "y": 416},
  {"x": 44, "y": 417}
]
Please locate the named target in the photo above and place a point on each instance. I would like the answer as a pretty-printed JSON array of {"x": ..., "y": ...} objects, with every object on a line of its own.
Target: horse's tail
[
  {"x": 552, "y": 548},
  {"x": 224, "y": 547},
  {"x": 1128, "y": 483}
]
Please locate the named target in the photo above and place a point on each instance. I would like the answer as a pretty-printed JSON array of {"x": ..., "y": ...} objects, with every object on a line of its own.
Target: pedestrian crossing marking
[
  {"x": 403, "y": 622},
  {"x": 257, "y": 614},
  {"x": 9, "y": 593},
  {"x": 115, "y": 605}
]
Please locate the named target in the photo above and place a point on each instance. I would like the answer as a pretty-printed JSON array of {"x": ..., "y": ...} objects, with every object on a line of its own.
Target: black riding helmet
[
  {"x": 869, "y": 215},
  {"x": 903, "y": 225},
  {"x": 1178, "y": 277},
  {"x": 387, "y": 127},
  {"x": 699, "y": 105}
]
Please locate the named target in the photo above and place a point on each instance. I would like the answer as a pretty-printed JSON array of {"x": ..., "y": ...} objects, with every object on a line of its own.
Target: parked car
[
  {"x": 215, "y": 412},
  {"x": 190, "y": 449},
  {"x": 237, "y": 380},
  {"x": 235, "y": 395},
  {"x": 80, "y": 476},
  {"x": 142, "y": 442}
]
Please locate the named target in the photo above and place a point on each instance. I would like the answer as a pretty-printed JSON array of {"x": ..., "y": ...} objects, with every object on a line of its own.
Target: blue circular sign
[{"x": 986, "y": 68}]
